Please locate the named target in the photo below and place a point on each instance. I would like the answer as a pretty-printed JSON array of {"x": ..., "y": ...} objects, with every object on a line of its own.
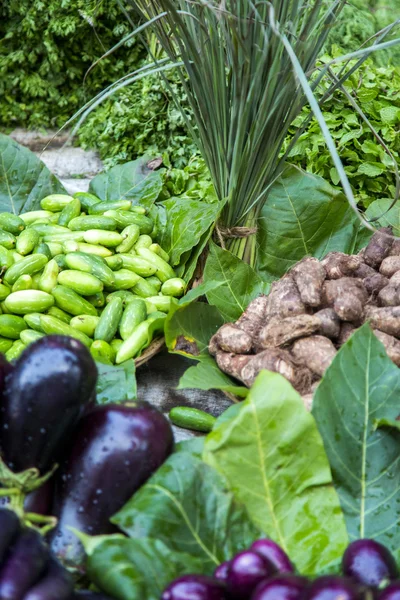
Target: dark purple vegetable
[
  {"x": 195, "y": 587},
  {"x": 221, "y": 572},
  {"x": 333, "y": 587},
  {"x": 39, "y": 501},
  {"x": 246, "y": 570},
  {"x": 369, "y": 563},
  {"x": 56, "y": 583},
  {"x": 23, "y": 566},
  {"x": 285, "y": 587},
  {"x": 391, "y": 592},
  {"x": 47, "y": 392},
  {"x": 9, "y": 528},
  {"x": 116, "y": 449},
  {"x": 6, "y": 369},
  {"x": 274, "y": 553},
  {"x": 87, "y": 595}
]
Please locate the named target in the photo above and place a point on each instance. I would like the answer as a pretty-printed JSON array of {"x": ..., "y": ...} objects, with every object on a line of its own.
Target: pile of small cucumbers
[{"x": 87, "y": 269}]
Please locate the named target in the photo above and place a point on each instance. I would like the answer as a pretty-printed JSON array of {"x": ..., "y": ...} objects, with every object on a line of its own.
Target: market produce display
[
  {"x": 312, "y": 311},
  {"x": 84, "y": 268}
]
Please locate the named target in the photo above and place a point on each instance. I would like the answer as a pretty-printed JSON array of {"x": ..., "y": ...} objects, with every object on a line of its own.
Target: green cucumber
[
  {"x": 11, "y": 223},
  {"x": 3, "y": 309},
  {"x": 115, "y": 345},
  {"x": 155, "y": 282},
  {"x": 25, "y": 282},
  {"x": 156, "y": 248},
  {"x": 28, "y": 301},
  {"x": 33, "y": 321},
  {"x": 135, "y": 343},
  {"x": 48, "y": 279},
  {"x": 52, "y": 325},
  {"x": 174, "y": 287},
  {"x": 27, "y": 266},
  {"x": 123, "y": 294},
  {"x": 102, "y": 352},
  {"x": 130, "y": 236},
  {"x": 60, "y": 260},
  {"x": 49, "y": 229},
  {"x": 69, "y": 212},
  {"x": 4, "y": 292},
  {"x": 28, "y": 336},
  {"x": 16, "y": 256},
  {"x": 54, "y": 311},
  {"x": 55, "y": 202},
  {"x": 109, "y": 239},
  {"x": 89, "y": 263},
  {"x": 114, "y": 262},
  {"x": 62, "y": 238},
  {"x": 85, "y": 323},
  {"x": 98, "y": 300},
  {"x": 11, "y": 326},
  {"x": 124, "y": 280},
  {"x": 144, "y": 241},
  {"x": 162, "y": 303},
  {"x": 92, "y": 222},
  {"x": 107, "y": 326},
  {"x": 43, "y": 248},
  {"x": 192, "y": 418},
  {"x": 124, "y": 218},
  {"x": 82, "y": 283},
  {"x": 15, "y": 351},
  {"x": 101, "y": 207},
  {"x": 26, "y": 241},
  {"x": 93, "y": 249},
  {"x": 135, "y": 312},
  {"x": 143, "y": 288},
  {"x": 54, "y": 247},
  {"x": 8, "y": 240},
  {"x": 5, "y": 345},
  {"x": 71, "y": 302},
  {"x": 164, "y": 270},
  {"x": 6, "y": 258},
  {"x": 139, "y": 209},
  {"x": 138, "y": 265},
  {"x": 87, "y": 200},
  {"x": 35, "y": 215}
]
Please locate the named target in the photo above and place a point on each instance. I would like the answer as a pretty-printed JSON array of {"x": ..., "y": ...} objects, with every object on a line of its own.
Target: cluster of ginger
[{"x": 311, "y": 312}]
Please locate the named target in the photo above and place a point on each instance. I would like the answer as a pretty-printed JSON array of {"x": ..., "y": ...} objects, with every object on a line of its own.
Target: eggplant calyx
[{"x": 24, "y": 481}]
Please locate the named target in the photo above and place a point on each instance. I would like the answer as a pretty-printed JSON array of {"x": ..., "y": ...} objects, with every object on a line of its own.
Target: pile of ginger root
[{"x": 311, "y": 312}]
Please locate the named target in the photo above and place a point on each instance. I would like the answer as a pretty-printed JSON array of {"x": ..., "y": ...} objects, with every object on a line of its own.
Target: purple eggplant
[
  {"x": 333, "y": 587},
  {"x": 24, "y": 564},
  {"x": 9, "y": 528},
  {"x": 40, "y": 500},
  {"x": 246, "y": 570},
  {"x": 6, "y": 369},
  {"x": 283, "y": 586},
  {"x": 274, "y": 553},
  {"x": 391, "y": 592},
  {"x": 116, "y": 449},
  {"x": 195, "y": 587},
  {"x": 369, "y": 563},
  {"x": 56, "y": 583},
  {"x": 221, "y": 572},
  {"x": 43, "y": 398}
]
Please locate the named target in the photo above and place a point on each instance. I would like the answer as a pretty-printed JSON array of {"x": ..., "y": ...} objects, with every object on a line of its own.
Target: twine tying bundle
[{"x": 224, "y": 233}]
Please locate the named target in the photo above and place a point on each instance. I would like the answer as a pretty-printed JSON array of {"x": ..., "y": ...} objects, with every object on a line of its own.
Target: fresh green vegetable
[
  {"x": 15, "y": 351},
  {"x": 192, "y": 418},
  {"x": 90, "y": 263},
  {"x": 11, "y": 326},
  {"x": 109, "y": 321},
  {"x": 134, "y": 313},
  {"x": 54, "y": 311},
  {"x": 26, "y": 301},
  {"x": 110, "y": 239},
  {"x": 101, "y": 207},
  {"x": 25, "y": 282},
  {"x": 82, "y": 283},
  {"x": 130, "y": 236},
  {"x": 68, "y": 300},
  {"x": 11, "y": 223},
  {"x": 28, "y": 336},
  {"x": 85, "y": 323},
  {"x": 69, "y": 212},
  {"x": 44, "y": 248},
  {"x": 48, "y": 279},
  {"x": 7, "y": 240},
  {"x": 102, "y": 352},
  {"x": 138, "y": 265},
  {"x": 174, "y": 287},
  {"x": 27, "y": 266},
  {"x": 52, "y": 325},
  {"x": 92, "y": 222},
  {"x": 55, "y": 202}
]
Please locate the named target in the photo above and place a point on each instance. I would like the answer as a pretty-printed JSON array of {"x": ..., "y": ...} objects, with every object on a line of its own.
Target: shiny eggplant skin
[
  {"x": 116, "y": 449},
  {"x": 283, "y": 586},
  {"x": 43, "y": 398},
  {"x": 6, "y": 369},
  {"x": 274, "y": 553},
  {"x": 369, "y": 562},
  {"x": 391, "y": 592},
  {"x": 195, "y": 587},
  {"x": 56, "y": 583},
  {"x": 9, "y": 528},
  {"x": 246, "y": 570},
  {"x": 333, "y": 587},
  {"x": 40, "y": 500},
  {"x": 24, "y": 564},
  {"x": 221, "y": 572}
]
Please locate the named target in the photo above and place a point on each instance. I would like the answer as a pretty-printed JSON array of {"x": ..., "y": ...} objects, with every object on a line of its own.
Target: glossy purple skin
[
  {"x": 39, "y": 501},
  {"x": 9, "y": 527},
  {"x": 391, "y": 592},
  {"x": 221, "y": 572},
  {"x": 24, "y": 564},
  {"x": 274, "y": 553},
  {"x": 246, "y": 570},
  {"x": 43, "y": 398},
  {"x": 333, "y": 587},
  {"x": 56, "y": 582},
  {"x": 285, "y": 587},
  {"x": 195, "y": 587},
  {"x": 116, "y": 449},
  {"x": 369, "y": 563},
  {"x": 6, "y": 369}
]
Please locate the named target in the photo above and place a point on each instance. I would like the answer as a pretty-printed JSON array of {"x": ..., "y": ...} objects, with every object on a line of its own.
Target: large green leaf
[
  {"x": 116, "y": 383},
  {"x": 361, "y": 387},
  {"x": 274, "y": 460},
  {"x": 206, "y": 375},
  {"x": 304, "y": 215},
  {"x": 386, "y": 214},
  {"x": 186, "y": 505},
  {"x": 188, "y": 328},
  {"x": 24, "y": 179},
  {"x": 136, "y": 181},
  {"x": 241, "y": 284},
  {"x": 136, "y": 569}
]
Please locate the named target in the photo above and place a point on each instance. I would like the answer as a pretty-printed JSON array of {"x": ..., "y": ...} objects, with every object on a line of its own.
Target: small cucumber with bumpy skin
[
  {"x": 135, "y": 312},
  {"x": 91, "y": 222},
  {"x": 101, "y": 207},
  {"x": 52, "y": 325},
  {"x": 71, "y": 302},
  {"x": 26, "y": 241},
  {"x": 63, "y": 238},
  {"x": 49, "y": 229},
  {"x": 6, "y": 258},
  {"x": 164, "y": 270},
  {"x": 87, "y": 200},
  {"x": 143, "y": 288},
  {"x": 98, "y": 300},
  {"x": 8, "y": 240},
  {"x": 125, "y": 296},
  {"x": 144, "y": 241},
  {"x": 28, "y": 301},
  {"x": 107, "y": 326},
  {"x": 124, "y": 280},
  {"x": 130, "y": 236},
  {"x": 115, "y": 345},
  {"x": 139, "y": 209},
  {"x": 162, "y": 303},
  {"x": 109, "y": 239},
  {"x": 155, "y": 282},
  {"x": 5, "y": 345},
  {"x": 54, "y": 247},
  {"x": 35, "y": 215},
  {"x": 85, "y": 323},
  {"x": 16, "y": 256},
  {"x": 124, "y": 218},
  {"x": 89, "y": 263},
  {"x": 156, "y": 248},
  {"x": 60, "y": 260},
  {"x": 4, "y": 292},
  {"x": 3, "y": 309},
  {"x": 93, "y": 249},
  {"x": 56, "y": 312},
  {"x": 174, "y": 287},
  {"x": 48, "y": 279},
  {"x": 138, "y": 339},
  {"x": 55, "y": 202},
  {"x": 102, "y": 352},
  {"x": 28, "y": 336},
  {"x": 15, "y": 351},
  {"x": 84, "y": 284},
  {"x": 43, "y": 248},
  {"x": 11, "y": 326},
  {"x": 138, "y": 265},
  {"x": 27, "y": 266},
  {"x": 11, "y": 223},
  {"x": 114, "y": 262},
  {"x": 25, "y": 282},
  {"x": 192, "y": 418},
  {"x": 33, "y": 321},
  {"x": 69, "y": 212}
]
